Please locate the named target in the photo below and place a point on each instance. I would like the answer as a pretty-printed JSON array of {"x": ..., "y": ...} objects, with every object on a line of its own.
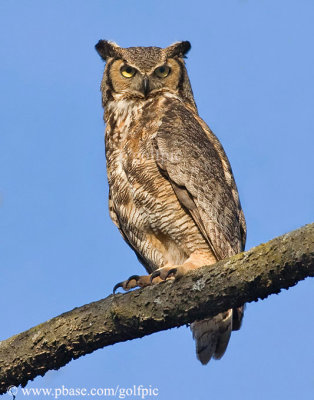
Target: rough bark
[{"x": 246, "y": 277}]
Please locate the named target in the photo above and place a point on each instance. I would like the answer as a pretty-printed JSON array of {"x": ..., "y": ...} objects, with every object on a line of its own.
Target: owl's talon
[
  {"x": 171, "y": 273},
  {"x": 117, "y": 286},
  {"x": 133, "y": 282},
  {"x": 124, "y": 285},
  {"x": 135, "y": 277},
  {"x": 154, "y": 275}
]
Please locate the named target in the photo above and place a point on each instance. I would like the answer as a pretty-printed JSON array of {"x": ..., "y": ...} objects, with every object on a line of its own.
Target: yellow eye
[
  {"x": 127, "y": 71},
  {"x": 162, "y": 71}
]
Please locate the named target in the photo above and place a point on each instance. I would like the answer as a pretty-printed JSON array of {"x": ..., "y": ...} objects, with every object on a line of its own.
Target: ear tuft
[
  {"x": 107, "y": 49},
  {"x": 178, "y": 49}
]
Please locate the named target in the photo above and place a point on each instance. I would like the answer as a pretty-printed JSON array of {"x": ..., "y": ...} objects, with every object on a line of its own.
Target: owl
[{"x": 172, "y": 193}]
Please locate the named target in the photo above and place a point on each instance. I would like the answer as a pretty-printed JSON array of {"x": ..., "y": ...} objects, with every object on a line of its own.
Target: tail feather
[
  {"x": 237, "y": 317},
  {"x": 212, "y": 336}
]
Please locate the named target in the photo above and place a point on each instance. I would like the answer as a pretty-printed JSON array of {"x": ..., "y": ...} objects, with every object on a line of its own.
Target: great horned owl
[{"x": 171, "y": 189}]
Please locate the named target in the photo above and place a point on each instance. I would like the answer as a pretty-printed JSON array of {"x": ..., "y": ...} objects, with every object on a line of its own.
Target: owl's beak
[{"x": 145, "y": 85}]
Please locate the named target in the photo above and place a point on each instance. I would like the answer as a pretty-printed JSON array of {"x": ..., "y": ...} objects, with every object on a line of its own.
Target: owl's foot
[
  {"x": 136, "y": 281},
  {"x": 196, "y": 260},
  {"x": 174, "y": 271},
  {"x": 161, "y": 273}
]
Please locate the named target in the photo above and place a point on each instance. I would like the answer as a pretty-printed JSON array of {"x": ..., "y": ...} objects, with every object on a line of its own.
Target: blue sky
[{"x": 252, "y": 69}]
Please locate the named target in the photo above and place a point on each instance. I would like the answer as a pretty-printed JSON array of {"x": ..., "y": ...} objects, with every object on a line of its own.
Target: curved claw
[
  {"x": 124, "y": 284},
  {"x": 154, "y": 275},
  {"x": 136, "y": 277},
  {"x": 171, "y": 271},
  {"x": 118, "y": 285}
]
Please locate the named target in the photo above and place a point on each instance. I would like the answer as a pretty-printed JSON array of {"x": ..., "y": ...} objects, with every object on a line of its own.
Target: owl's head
[{"x": 144, "y": 72}]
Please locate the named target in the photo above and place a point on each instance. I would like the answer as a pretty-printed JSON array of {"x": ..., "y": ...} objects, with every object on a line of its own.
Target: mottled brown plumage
[{"x": 171, "y": 189}]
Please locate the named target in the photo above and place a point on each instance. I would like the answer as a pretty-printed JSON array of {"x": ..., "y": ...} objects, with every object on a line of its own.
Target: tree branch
[{"x": 246, "y": 277}]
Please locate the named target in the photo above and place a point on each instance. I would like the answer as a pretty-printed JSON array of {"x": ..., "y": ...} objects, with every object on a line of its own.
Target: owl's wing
[{"x": 190, "y": 156}]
